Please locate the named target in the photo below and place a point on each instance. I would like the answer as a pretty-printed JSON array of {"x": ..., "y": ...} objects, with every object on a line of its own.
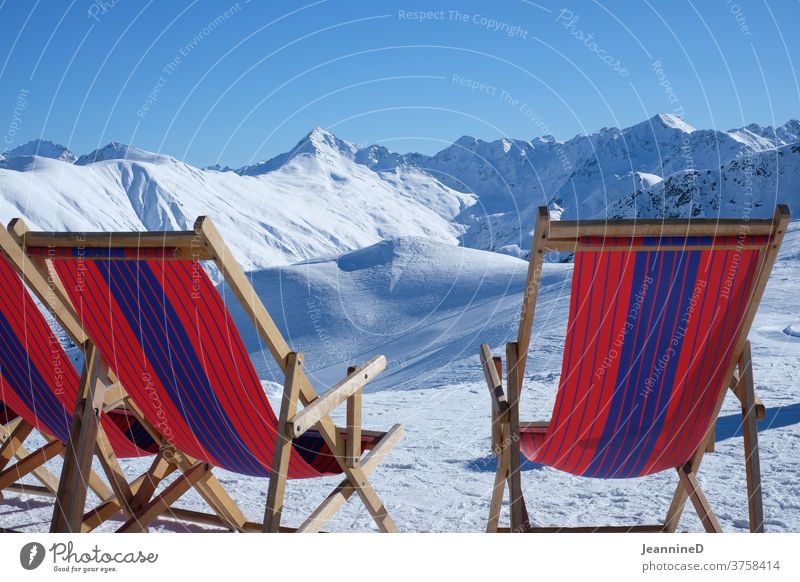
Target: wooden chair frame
[
  {"x": 98, "y": 389},
  {"x": 565, "y": 236},
  {"x": 204, "y": 243}
]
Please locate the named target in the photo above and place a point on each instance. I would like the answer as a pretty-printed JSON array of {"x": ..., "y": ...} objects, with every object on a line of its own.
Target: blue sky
[{"x": 235, "y": 82}]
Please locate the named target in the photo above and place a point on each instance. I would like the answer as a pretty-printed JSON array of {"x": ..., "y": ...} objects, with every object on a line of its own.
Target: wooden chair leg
[
  {"x": 116, "y": 478},
  {"x": 13, "y": 436},
  {"x": 159, "y": 469},
  {"x": 698, "y": 499},
  {"x": 752, "y": 462},
  {"x": 320, "y": 516},
  {"x": 220, "y": 501},
  {"x": 283, "y": 448},
  {"x": 519, "y": 513},
  {"x": 353, "y": 443},
  {"x": 41, "y": 474},
  {"x": 28, "y": 464},
  {"x": 161, "y": 503},
  {"x": 500, "y": 480},
  {"x": 72, "y": 486}
]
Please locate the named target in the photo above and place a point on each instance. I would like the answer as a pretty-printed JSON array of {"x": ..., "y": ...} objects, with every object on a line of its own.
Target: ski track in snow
[{"x": 443, "y": 304}]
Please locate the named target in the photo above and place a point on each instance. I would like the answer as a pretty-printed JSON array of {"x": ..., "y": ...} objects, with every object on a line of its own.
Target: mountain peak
[
  {"x": 42, "y": 148},
  {"x": 321, "y": 140},
  {"x": 466, "y": 141},
  {"x": 122, "y": 152},
  {"x": 672, "y": 122}
]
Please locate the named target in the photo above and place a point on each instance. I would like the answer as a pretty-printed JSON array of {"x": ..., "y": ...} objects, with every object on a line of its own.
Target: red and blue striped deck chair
[
  {"x": 164, "y": 330},
  {"x": 657, "y": 332},
  {"x": 38, "y": 390}
]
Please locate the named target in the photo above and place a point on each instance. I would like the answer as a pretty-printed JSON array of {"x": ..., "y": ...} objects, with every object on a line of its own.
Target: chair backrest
[
  {"x": 655, "y": 326},
  {"x": 167, "y": 335},
  {"x": 37, "y": 379}
]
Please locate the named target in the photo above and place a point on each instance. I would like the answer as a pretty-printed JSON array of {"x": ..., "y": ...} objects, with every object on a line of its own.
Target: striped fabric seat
[
  {"x": 37, "y": 380},
  {"x": 649, "y": 336},
  {"x": 167, "y": 335}
]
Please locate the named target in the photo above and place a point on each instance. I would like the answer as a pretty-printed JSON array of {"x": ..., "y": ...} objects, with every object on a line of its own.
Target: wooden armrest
[
  {"x": 499, "y": 400},
  {"x": 321, "y": 406}
]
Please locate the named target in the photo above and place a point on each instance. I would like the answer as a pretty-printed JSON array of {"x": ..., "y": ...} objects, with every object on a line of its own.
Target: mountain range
[{"x": 327, "y": 196}]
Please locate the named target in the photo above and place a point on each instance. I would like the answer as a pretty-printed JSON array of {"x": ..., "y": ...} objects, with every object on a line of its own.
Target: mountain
[
  {"x": 42, "y": 148},
  {"x": 327, "y": 196},
  {"x": 121, "y": 152},
  {"x": 310, "y": 207}
]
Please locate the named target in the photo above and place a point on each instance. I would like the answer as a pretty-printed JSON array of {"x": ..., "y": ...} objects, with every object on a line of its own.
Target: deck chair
[
  {"x": 657, "y": 332},
  {"x": 38, "y": 388},
  {"x": 120, "y": 424},
  {"x": 164, "y": 331}
]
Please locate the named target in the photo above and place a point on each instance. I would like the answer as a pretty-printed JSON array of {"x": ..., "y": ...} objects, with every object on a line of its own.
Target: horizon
[
  {"x": 237, "y": 166},
  {"x": 241, "y": 82}
]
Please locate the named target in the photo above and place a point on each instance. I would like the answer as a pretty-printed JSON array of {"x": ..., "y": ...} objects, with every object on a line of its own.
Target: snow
[{"x": 357, "y": 252}]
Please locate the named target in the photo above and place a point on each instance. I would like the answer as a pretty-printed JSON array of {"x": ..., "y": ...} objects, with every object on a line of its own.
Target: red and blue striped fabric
[
  {"x": 649, "y": 338},
  {"x": 103, "y": 252},
  {"x": 166, "y": 333},
  {"x": 37, "y": 379}
]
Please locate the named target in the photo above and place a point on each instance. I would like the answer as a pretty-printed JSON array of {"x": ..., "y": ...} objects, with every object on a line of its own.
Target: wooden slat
[
  {"x": 283, "y": 448},
  {"x": 116, "y": 477},
  {"x": 186, "y": 239},
  {"x": 698, "y": 499},
  {"x": 25, "y": 489},
  {"x": 27, "y": 464},
  {"x": 493, "y": 382},
  {"x": 572, "y": 229},
  {"x": 500, "y": 479},
  {"x": 752, "y": 462},
  {"x": 519, "y": 514},
  {"x": 13, "y": 437},
  {"x": 541, "y": 233},
  {"x": 326, "y": 402},
  {"x": 654, "y": 528},
  {"x": 353, "y": 443},
  {"x": 72, "y": 487}
]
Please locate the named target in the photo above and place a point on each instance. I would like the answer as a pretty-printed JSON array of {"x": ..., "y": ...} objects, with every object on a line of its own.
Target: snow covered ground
[{"x": 428, "y": 305}]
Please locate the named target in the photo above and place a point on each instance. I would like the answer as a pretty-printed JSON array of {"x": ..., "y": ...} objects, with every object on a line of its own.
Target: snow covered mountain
[
  {"x": 310, "y": 207},
  {"x": 326, "y": 196},
  {"x": 42, "y": 148}
]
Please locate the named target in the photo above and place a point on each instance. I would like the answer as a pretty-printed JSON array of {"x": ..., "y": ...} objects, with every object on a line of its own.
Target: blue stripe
[
  {"x": 646, "y": 349},
  {"x": 619, "y": 400},
  {"x": 186, "y": 384},
  {"x": 29, "y": 385},
  {"x": 662, "y": 401}
]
